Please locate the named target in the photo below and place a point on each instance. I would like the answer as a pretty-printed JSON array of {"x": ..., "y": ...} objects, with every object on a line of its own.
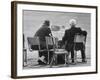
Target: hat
[{"x": 47, "y": 22}]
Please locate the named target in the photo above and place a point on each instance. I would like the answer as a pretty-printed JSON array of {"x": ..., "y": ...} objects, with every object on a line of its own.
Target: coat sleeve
[
  {"x": 49, "y": 32},
  {"x": 82, "y": 32}
]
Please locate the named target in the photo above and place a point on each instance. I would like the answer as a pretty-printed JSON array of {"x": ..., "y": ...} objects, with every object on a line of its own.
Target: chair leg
[
  {"x": 75, "y": 56},
  {"x": 48, "y": 57},
  {"x": 52, "y": 60},
  {"x": 24, "y": 57},
  {"x": 68, "y": 59},
  {"x": 65, "y": 60},
  {"x": 55, "y": 59}
]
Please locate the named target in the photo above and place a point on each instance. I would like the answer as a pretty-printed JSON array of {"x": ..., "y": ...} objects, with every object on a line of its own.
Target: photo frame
[{"x": 26, "y": 21}]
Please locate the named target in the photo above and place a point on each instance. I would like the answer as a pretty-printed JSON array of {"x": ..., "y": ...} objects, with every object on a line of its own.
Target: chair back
[
  {"x": 49, "y": 41},
  {"x": 52, "y": 41},
  {"x": 33, "y": 41},
  {"x": 56, "y": 42},
  {"x": 79, "y": 38}
]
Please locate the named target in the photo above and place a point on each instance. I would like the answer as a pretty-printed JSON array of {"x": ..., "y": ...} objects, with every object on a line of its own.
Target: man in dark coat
[
  {"x": 68, "y": 40},
  {"x": 43, "y": 32}
]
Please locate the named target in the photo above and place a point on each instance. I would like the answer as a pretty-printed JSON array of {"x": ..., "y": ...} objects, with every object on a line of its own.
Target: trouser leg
[
  {"x": 72, "y": 55},
  {"x": 41, "y": 55},
  {"x": 83, "y": 55},
  {"x": 50, "y": 56}
]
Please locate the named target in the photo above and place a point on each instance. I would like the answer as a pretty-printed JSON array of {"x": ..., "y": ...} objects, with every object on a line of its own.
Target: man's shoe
[
  {"x": 73, "y": 62},
  {"x": 84, "y": 61}
]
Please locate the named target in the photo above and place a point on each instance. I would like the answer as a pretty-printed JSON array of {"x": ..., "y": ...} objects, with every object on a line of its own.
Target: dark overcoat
[{"x": 69, "y": 35}]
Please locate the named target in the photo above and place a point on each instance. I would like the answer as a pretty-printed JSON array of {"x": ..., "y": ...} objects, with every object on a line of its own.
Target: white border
[{"x": 30, "y": 72}]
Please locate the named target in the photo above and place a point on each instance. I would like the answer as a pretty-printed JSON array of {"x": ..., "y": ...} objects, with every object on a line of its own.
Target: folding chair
[
  {"x": 49, "y": 42},
  {"x": 79, "y": 38},
  {"x": 24, "y": 52},
  {"x": 35, "y": 42},
  {"x": 24, "y": 56},
  {"x": 54, "y": 41}
]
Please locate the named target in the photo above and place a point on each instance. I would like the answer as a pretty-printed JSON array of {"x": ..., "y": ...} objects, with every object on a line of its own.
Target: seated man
[
  {"x": 68, "y": 40},
  {"x": 43, "y": 32}
]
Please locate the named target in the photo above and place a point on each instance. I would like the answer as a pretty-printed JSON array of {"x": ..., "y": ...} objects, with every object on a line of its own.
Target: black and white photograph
[{"x": 54, "y": 39}]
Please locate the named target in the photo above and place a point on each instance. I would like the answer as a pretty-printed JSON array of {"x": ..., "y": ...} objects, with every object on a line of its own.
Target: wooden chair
[
  {"x": 24, "y": 52},
  {"x": 54, "y": 41},
  {"x": 34, "y": 41},
  {"x": 79, "y": 38},
  {"x": 49, "y": 43}
]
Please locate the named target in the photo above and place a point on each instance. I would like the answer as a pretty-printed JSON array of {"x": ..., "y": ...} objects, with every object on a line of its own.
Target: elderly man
[
  {"x": 68, "y": 39},
  {"x": 43, "y": 32}
]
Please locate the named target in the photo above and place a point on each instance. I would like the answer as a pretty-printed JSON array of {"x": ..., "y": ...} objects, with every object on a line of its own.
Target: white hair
[{"x": 72, "y": 21}]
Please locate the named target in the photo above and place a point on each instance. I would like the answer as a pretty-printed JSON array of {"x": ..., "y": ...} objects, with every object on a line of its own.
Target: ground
[{"x": 33, "y": 63}]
